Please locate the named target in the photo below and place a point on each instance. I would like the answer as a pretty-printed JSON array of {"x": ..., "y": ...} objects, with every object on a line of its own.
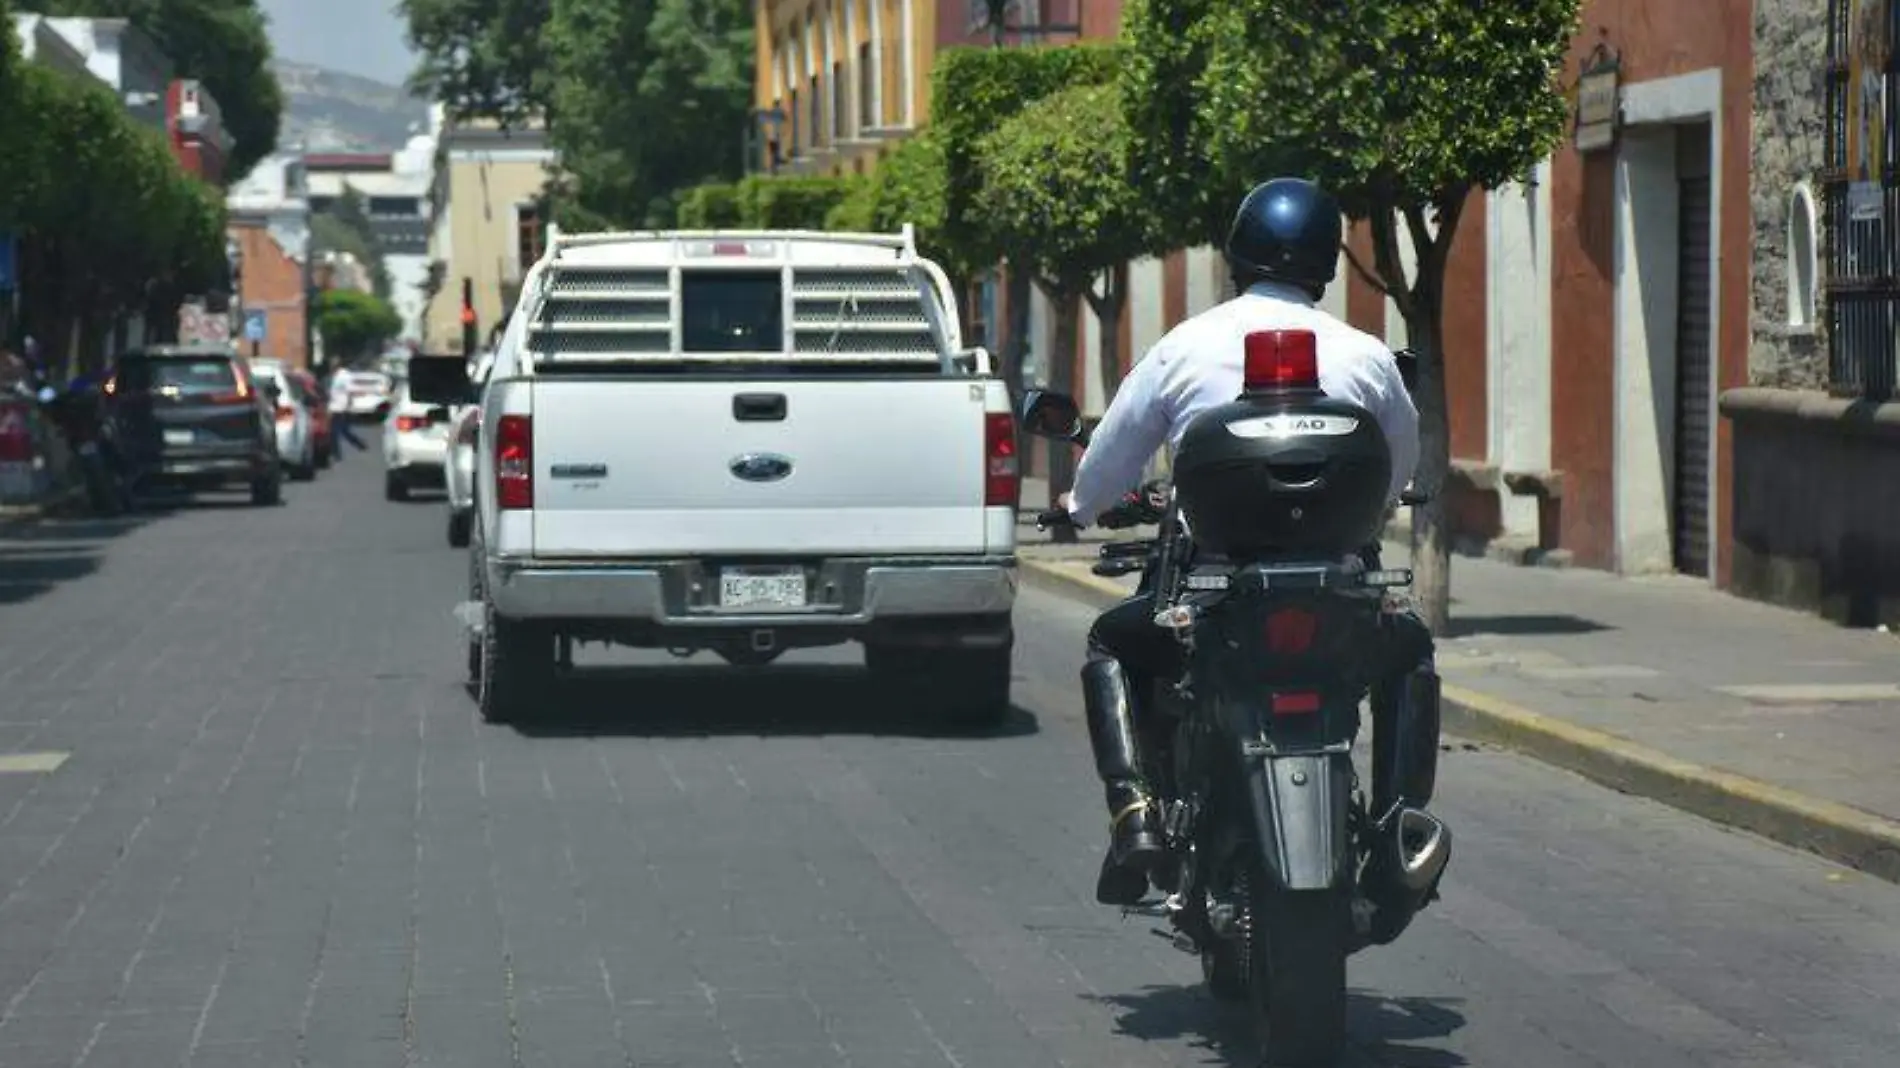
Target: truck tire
[
  {"x": 969, "y": 688},
  {"x": 517, "y": 666}
]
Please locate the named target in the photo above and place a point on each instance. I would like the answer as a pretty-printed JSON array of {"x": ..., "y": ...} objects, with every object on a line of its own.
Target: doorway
[{"x": 1694, "y": 393}]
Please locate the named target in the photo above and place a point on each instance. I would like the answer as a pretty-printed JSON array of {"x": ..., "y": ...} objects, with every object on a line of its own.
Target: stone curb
[{"x": 1840, "y": 833}]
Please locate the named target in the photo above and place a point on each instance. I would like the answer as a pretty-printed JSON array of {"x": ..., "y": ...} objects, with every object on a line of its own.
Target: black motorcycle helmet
[{"x": 1287, "y": 230}]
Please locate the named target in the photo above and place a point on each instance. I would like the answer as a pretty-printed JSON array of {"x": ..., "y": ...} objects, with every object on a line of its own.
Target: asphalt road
[{"x": 280, "y": 837}]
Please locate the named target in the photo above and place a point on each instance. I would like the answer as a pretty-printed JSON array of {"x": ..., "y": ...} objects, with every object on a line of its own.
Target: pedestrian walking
[{"x": 340, "y": 412}]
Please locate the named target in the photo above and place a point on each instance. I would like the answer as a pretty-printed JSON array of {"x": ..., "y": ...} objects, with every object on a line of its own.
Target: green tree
[
  {"x": 1402, "y": 108},
  {"x": 482, "y": 58},
  {"x": 109, "y": 222},
  {"x": 354, "y": 324},
  {"x": 649, "y": 98},
  {"x": 973, "y": 90},
  {"x": 219, "y": 42},
  {"x": 1056, "y": 177}
]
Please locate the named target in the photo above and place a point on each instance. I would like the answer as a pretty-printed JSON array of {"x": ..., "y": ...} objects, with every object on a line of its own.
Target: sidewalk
[{"x": 1756, "y": 716}]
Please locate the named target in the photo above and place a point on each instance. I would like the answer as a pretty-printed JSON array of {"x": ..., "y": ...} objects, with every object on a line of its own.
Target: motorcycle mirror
[
  {"x": 1052, "y": 415},
  {"x": 1407, "y": 360}
]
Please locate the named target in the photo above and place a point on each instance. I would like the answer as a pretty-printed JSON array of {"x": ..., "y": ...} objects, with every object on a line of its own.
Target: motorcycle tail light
[
  {"x": 1290, "y": 631},
  {"x": 1295, "y": 704},
  {"x": 286, "y": 414}
]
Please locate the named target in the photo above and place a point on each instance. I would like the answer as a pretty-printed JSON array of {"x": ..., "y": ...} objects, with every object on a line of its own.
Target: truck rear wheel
[{"x": 517, "y": 666}]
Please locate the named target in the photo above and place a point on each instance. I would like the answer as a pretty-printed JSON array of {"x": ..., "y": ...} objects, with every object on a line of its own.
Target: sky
[{"x": 355, "y": 36}]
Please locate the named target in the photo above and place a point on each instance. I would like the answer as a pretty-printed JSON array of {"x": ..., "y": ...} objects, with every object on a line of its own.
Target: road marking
[
  {"x": 1601, "y": 671},
  {"x": 31, "y": 762},
  {"x": 1811, "y": 693}
]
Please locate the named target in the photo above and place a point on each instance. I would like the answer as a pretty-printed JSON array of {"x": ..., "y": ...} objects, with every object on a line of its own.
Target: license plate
[
  {"x": 774, "y": 588},
  {"x": 179, "y": 437}
]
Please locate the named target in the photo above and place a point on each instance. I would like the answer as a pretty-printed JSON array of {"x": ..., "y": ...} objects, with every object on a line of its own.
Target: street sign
[
  {"x": 9, "y": 262},
  {"x": 254, "y": 319},
  {"x": 1597, "y": 100}
]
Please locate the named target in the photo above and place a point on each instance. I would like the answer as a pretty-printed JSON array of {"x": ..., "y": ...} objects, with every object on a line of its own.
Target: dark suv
[{"x": 193, "y": 416}]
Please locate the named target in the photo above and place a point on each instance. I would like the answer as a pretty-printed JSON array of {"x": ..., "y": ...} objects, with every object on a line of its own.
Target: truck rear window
[{"x": 732, "y": 311}]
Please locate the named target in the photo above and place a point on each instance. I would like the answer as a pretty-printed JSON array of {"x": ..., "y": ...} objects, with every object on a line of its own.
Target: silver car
[{"x": 465, "y": 422}]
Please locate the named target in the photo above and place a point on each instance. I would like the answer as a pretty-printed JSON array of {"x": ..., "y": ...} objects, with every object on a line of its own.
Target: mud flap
[{"x": 1300, "y": 809}]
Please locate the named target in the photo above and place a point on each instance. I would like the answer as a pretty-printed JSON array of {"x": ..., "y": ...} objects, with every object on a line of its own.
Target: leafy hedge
[{"x": 762, "y": 202}]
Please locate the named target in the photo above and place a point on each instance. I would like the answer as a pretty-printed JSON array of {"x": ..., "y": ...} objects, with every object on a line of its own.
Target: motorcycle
[
  {"x": 79, "y": 413},
  {"x": 1280, "y": 864}
]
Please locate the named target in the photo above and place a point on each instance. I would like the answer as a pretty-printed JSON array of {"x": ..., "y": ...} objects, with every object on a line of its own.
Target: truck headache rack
[{"x": 845, "y": 298}]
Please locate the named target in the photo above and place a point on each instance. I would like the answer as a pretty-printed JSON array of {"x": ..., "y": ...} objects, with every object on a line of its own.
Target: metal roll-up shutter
[{"x": 1694, "y": 425}]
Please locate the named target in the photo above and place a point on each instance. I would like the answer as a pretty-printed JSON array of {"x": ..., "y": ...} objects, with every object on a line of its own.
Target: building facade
[
  {"x": 485, "y": 202},
  {"x": 269, "y": 214},
  {"x": 838, "y": 81},
  {"x": 395, "y": 195}
]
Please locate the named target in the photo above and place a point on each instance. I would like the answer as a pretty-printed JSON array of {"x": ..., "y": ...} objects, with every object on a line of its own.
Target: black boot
[{"x": 1135, "y": 844}]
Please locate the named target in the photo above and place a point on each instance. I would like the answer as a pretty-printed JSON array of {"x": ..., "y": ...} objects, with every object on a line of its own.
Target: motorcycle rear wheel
[{"x": 1297, "y": 943}]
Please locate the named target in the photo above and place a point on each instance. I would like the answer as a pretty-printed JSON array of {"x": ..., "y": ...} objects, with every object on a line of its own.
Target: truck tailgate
[{"x": 653, "y": 467}]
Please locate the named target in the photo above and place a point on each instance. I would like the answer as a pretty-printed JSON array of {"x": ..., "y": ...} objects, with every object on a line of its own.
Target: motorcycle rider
[{"x": 1283, "y": 251}]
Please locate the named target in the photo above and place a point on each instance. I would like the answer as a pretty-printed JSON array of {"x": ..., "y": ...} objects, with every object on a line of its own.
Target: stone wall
[{"x": 1790, "y": 98}]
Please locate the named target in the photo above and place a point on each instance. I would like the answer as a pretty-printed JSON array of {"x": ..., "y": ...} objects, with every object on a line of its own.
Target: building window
[
  {"x": 840, "y": 104},
  {"x": 401, "y": 206},
  {"x": 867, "y": 87},
  {"x": 528, "y": 236},
  {"x": 1803, "y": 257}
]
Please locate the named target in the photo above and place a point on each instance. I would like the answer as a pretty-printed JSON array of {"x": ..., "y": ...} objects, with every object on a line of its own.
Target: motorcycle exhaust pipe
[{"x": 1422, "y": 844}]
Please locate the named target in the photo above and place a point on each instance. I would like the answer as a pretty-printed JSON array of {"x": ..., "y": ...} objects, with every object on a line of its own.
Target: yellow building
[
  {"x": 486, "y": 228},
  {"x": 838, "y": 81}
]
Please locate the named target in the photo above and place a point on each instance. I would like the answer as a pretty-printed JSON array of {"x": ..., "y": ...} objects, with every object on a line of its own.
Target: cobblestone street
[{"x": 248, "y": 816}]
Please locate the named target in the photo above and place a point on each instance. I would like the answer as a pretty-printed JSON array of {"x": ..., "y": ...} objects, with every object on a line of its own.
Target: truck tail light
[
  {"x": 514, "y": 461},
  {"x": 1002, "y": 464}
]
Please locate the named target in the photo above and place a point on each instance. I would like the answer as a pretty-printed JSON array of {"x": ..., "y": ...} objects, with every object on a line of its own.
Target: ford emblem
[{"x": 761, "y": 467}]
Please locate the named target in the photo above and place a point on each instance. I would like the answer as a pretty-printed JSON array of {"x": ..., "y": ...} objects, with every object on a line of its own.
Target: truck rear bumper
[{"x": 845, "y": 593}]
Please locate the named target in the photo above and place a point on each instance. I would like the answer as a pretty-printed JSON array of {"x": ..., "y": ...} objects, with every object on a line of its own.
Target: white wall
[{"x": 1517, "y": 337}]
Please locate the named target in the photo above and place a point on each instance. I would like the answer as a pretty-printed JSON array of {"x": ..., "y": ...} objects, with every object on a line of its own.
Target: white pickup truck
[{"x": 743, "y": 442}]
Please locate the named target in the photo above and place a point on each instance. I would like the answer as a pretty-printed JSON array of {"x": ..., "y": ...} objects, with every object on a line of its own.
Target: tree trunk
[
  {"x": 1016, "y": 295},
  {"x": 1067, "y": 308},
  {"x": 1423, "y": 306},
  {"x": 1107, "y": 306},
  {"x": 1431, "y": 521}
]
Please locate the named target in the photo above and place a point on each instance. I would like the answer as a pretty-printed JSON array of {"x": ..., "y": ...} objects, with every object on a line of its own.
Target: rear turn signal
[
  {"x": 1002, "y": 465},
  {"x": 1281, "y": 360},
  {"x": 514, "y": 462}
]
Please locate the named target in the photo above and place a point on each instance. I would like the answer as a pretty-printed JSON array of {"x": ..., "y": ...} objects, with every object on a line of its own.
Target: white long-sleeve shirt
[{"x": 1200, "y": 365}]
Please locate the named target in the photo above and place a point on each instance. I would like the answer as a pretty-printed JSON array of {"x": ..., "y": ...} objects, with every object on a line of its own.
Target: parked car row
[{"x": 205, "y": 417}]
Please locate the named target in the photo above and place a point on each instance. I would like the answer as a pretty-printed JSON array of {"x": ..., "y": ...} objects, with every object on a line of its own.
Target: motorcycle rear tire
[{"x": 1298, "y": 943}]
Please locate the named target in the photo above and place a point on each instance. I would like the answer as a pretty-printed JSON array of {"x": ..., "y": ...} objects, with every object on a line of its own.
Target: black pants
[{"x": 1149, "y": 654}]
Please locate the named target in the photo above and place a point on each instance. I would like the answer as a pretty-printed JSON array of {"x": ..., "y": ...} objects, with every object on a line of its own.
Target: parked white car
[
  {"x": 465, "y": 425},
  {"x": 415, "y": 444},
  {"x": 742, "y": 442},
  {"x": 369, "y": 394},
  {"x": 296, "y": 426}
]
